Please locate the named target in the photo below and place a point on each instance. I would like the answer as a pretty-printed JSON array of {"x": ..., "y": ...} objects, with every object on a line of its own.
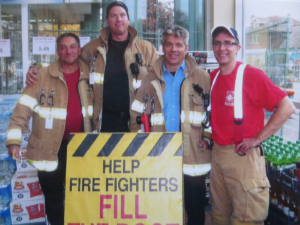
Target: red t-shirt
[
  {"x": 74, "y": 116},
  {"x": 259, "y": 92}
]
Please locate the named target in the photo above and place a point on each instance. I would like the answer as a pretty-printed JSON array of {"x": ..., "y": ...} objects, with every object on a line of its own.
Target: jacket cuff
[{"x": 13, "y": 142}]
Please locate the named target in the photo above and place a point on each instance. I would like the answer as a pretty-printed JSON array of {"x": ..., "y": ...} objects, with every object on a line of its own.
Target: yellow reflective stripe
[
  {"x": 197, "y": 117},
  {"x": 136, "y": 83},
  {"x": 44, "y": 65},
  {"x": 37, "y": 109},
  {"x": 56, "y": 113},
  {"x": 28, "y": 101},
  {"x": 99, "y": 78},
  {"x": 207, "y": 130},
  {"x": 137, "y": 106},
  {"x": 44, "y": 165},
  {"x": 182, "y": 116},
  {"x": 157, "y": 119},
  {"x": 192, "y": 117},
  {"x": 14, "y": 134},
  {"x": 83, "y": 112},
  {"x": 196, "y": 170},
  {"x": 88, "y": 111}
]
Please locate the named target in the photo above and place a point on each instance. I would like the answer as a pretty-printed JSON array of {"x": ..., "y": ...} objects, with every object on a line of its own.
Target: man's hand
[
  {"x": 284, "y": 109},
  {"x": 14, "y": 152},
  {"x": 203, "y": 144},
  {"x": 247, "y": 144},
  {"x": 31, "y": 76}
]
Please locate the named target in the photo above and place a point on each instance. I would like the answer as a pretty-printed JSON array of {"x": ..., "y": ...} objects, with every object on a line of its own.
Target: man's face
[
  {"x": 225, "y": 55},
  {"x": 174, "y": 50},
  {"x": 68, "y": 51},
  {"x": 118, "y": 21}
]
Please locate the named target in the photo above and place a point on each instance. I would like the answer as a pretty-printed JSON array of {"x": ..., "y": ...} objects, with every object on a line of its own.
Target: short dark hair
[
  {"x": 116, "y": 3},
  {"x": 67, "y": 35}
]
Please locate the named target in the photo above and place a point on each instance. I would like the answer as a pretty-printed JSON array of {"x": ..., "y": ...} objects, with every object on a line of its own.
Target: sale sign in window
[
  {"x": 124, "y": 179},
  {"x": 43, "y": 45},
  {"x": 5, "y": 50}
]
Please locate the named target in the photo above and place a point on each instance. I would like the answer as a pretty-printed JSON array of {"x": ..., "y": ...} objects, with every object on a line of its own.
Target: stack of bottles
[
  {"x": 283, "y": 171},
  {"x": 7, "y": 164}
]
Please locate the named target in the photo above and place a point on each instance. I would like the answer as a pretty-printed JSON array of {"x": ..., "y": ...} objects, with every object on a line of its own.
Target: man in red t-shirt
[{"x": 239, "y": 186}]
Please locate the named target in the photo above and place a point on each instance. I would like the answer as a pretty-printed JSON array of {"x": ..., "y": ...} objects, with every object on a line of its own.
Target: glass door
[{"x": 11, "y": 67}]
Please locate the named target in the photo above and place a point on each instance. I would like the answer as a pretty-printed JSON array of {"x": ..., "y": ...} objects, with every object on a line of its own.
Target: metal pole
[
  {"x": 294, "y": 67},
  {"x": 286, "y": 61},
  {"x": 287, "y": 50},
  {"x": 25, "y": 40}
]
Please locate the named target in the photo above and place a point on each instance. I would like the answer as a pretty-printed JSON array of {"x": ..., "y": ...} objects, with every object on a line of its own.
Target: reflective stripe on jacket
[
  {"x": 43, "y": 144},
  {"x": 99, "y": 47},
  {"x": 196, "y": 160}
]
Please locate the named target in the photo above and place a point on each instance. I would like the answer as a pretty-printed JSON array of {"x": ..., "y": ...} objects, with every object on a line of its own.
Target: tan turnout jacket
[
  {"x": 43, "y": 144},
  {"x": 196, "y": 160},
  {"x": 99, "y": 47}
]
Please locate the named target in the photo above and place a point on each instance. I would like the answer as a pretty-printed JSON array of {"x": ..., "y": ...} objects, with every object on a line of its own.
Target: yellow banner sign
[{"x": 124, "y": 179}]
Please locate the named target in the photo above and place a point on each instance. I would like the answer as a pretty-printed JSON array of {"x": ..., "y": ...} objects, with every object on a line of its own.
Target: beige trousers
[{"x": 239, "y": 187}]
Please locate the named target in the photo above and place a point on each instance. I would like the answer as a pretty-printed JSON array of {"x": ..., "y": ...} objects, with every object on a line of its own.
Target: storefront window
[
  {"x": 271, "y": 39},
  {"x": 272, "y": 44},
  {"x": 86, "y": 18},
  {"x": 191, "y": 15},
  {"x": 11, "y": 75}
]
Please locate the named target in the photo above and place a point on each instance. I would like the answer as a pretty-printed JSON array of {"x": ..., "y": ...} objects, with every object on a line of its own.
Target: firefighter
[
  {"x": 239, "y": 95},
  {"x": 62, "y": 88},
  {"x": 176, "y": 97}
]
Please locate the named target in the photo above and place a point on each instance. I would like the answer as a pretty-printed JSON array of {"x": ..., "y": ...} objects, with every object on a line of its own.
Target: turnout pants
[
  {"x": 239, "y": 187},
  {"x": 52, "y": 184}
]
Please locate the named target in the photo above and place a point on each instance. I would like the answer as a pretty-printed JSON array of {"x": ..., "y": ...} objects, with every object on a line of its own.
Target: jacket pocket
[
  {"x": 35, "y": 142},
  {"x": 257, "y": 199}
]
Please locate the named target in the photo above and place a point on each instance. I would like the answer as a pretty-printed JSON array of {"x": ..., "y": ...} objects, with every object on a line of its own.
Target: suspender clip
[
  {"x": 205, "y": 99},
  {"x": 206, "y": 122}
]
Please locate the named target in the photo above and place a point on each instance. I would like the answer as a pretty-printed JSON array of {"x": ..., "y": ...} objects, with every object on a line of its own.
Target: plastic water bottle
[
  {"x": 6, "y": 109},
  {"x": 5, "y": 214}
]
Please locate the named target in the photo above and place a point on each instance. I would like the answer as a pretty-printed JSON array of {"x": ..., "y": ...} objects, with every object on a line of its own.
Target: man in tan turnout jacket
[
  {"x": 60, "y": 103},
  {"x": 110, "y": 57},
  {"x": 99, "y": 48},
  {"x": 154, "y": 93}
]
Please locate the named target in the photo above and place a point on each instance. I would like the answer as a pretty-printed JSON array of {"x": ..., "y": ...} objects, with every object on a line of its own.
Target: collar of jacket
[
  {"x": 55, "y": 69},
  {"x": 104, "y": 34},
  {"x": 159, "y": 70}
]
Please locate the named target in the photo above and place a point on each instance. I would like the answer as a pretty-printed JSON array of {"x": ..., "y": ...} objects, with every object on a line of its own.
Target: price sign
[
  {"x": 84, "y": 40},
  {"x": 5, "y": 50},
  {"x": 43, "y": 45}
]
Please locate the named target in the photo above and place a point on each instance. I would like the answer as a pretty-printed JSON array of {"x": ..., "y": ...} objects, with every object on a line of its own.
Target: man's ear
[{"x": 187, "y": 47}]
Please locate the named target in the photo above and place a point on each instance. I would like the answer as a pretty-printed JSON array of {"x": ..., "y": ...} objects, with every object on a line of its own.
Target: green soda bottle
[{"x": 296, "y": 157}]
